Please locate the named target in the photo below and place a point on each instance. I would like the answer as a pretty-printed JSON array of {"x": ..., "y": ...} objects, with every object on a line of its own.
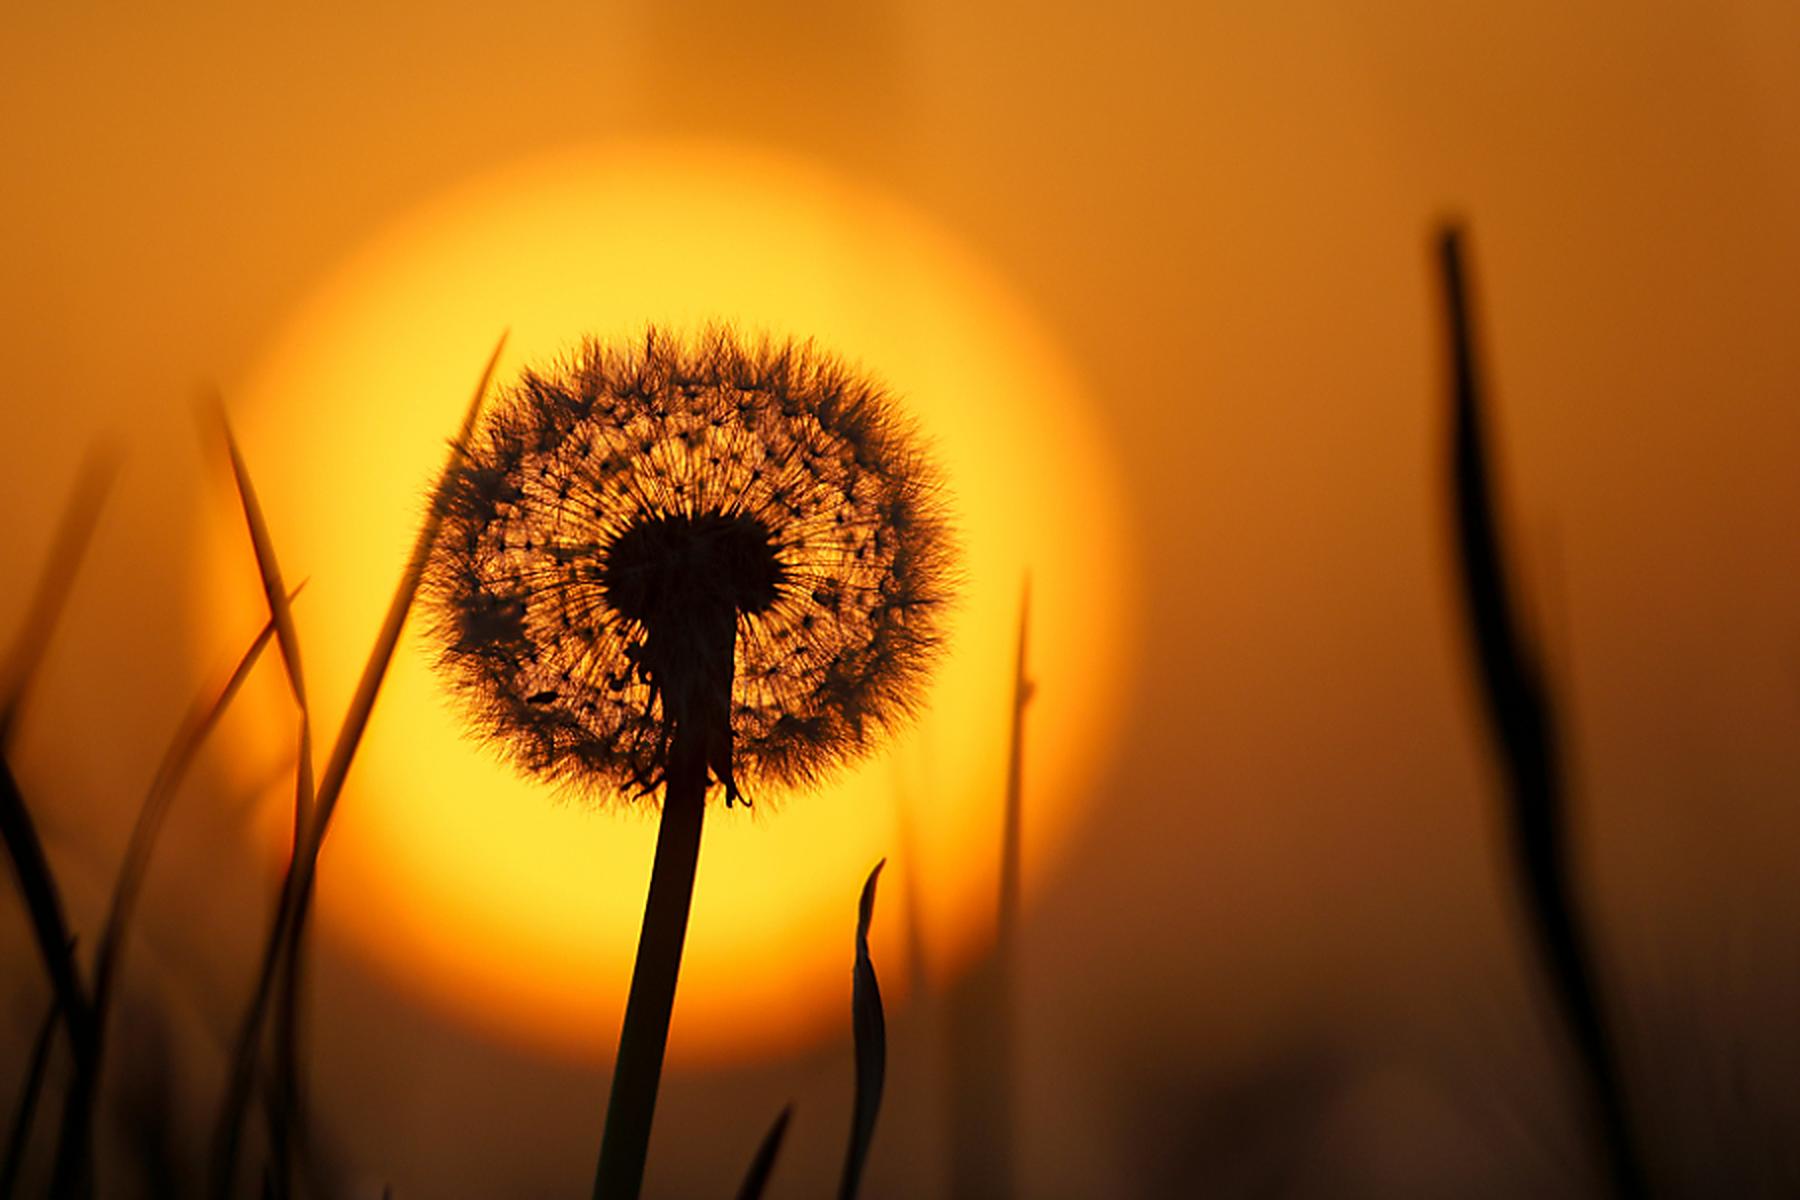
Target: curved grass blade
[
  {"x": 763, "y": 1165},
  {"x": 73, "y": 1174},
  {"x": 871, "y": 1045},
  {"x": 202, "y": 718},
  {"x": 18, "y": 1135},
  {"x": 982, "y": 1005},
  {"x": 68, "y": 549},
  {"x": 287, "y": 638},
  {"x": 1522, "y": 717},
  {"x": 287, "y": 929}
]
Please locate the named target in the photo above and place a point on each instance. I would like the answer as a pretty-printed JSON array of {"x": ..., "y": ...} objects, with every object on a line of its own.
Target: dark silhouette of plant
[
  {"x": 1524, "y": 726},
  {"x": 674, "y": 564},
  {"x": 314, "y": 808}
]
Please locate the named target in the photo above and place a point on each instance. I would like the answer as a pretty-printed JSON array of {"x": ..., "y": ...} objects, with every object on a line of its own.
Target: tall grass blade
[
  {"x": 68, "y": 549},
  {"x": 870, "y": 1028},
  {"x": 73, "y": 1172},
  {"x": 202, "y": 718},
  {"x": 983, "y": 1007},
  {"x": 287, "y": 638},
  {"x": 763, "y": 1165},
  {"x": 18, "y": 1134},
  {"x": 1522, "y": 720},
  {"x": 73, "y": 1175},
  {"x": 43, "y": 905},
  {"x": 267, "y": 566},
  {"x": 287, "y": 930}
]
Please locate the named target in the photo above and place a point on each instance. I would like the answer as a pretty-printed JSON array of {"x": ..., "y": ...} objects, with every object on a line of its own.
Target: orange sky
[{"x": 1218, "y": 213}]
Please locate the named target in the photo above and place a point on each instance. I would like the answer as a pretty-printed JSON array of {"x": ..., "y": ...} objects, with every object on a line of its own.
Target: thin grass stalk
[
  {"x": 287, "y": 638},
  {"x": 287, "y": 1125},
  {"x": 202, "y": 718},
  {"x": 869, "y": 1026},
  {"x": 1003, "y": 1065},
  {"x": 68, "y": 550},
  {"x": 286, "y": 931},
  {"x": 637, "y": 1073},
  {"x": 982, "y": 1009},
  {"x": 73, "y": 1172},
  {"x": 1521, "y": 716},
  {"x": 756, "y": 1179},
  {"x": 18, "y": 1133}
]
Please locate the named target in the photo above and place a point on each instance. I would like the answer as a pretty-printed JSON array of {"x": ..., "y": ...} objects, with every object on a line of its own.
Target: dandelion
[{"x": 682, "y": 565}]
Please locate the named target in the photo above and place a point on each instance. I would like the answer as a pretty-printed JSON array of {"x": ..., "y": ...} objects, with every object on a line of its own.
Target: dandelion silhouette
[
  {"x": 743, "y": 540},
  {"x": 684, "y": 563}
]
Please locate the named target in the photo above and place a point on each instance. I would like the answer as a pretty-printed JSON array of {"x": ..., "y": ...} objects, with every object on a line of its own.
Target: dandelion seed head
[{"x": 633, "y": 517}]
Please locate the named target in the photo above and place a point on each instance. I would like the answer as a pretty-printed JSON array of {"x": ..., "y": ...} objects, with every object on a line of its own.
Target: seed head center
[{"x": 686, "y": 567}]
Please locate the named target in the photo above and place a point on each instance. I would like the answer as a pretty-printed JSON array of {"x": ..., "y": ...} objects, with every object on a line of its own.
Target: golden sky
[{"x": 1217, "y": 215}]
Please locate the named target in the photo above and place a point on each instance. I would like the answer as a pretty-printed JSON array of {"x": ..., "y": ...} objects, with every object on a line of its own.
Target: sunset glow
[{"x": 519, "y": 908}]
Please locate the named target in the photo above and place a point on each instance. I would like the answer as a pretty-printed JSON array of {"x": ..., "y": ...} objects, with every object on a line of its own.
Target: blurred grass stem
[
  {"x": 287, "y": 930},
  {"x": 1520, "y": 712}
]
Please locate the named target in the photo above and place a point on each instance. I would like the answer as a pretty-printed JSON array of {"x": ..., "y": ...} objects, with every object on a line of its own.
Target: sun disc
[{"x": 519, "y": 909}]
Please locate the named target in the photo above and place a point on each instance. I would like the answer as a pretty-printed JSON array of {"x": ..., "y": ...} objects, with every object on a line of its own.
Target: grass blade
[
  {"x": 362, "y": 704},
  {"x": 1521, "y": 715},
  {"x": 871, "y": 1045},
  {"x": 202, "y": 718},
  {"x": 68, "y": 549},
  {"x": 981, "y": 1009},
  {"x": 287, "y": 638},
  {"x": 287, "y": 930},
  {"x": 50, "y": 930},
  {"x": 763, "y": 1165},
  {"x": 18, "y": 1135},
  {"x": 43, "y": 904},
  {"x": 267, "y": 566}
]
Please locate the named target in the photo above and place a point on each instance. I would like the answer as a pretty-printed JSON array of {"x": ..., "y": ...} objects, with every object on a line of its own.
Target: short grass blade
[
  {"x": 870, "y": 1028},
  {"x": 18, "y": 1134},
  {"x": 763, "y": 1165},
  {"x": 68, "y": 549}
]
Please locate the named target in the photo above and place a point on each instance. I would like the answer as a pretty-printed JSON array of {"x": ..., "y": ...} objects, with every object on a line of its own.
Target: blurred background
[{"x": 1279, "y": 956}]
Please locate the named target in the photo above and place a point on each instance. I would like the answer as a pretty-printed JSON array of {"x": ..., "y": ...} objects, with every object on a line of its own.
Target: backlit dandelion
[
  {"x": 741, "y": 539},
  {"x": 680, "y": 564}
]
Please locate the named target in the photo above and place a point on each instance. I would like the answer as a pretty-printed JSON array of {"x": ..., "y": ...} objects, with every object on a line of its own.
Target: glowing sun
[{"x": 491, "y": 895}]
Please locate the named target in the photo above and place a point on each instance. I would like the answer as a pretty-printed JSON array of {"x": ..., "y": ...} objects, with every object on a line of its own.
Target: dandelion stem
[{"x": 638, "y": 1071}]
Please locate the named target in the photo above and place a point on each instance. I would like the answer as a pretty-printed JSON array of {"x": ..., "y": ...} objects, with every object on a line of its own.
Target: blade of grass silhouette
[
  {"x": 287, "y": 929},
  {"x": 286, "y": 1110},
  {"x": 1521, "y": 717},
  {"x": 870, "y": 1028},
  {"x": 756, "y": 1179},
  {"x": 202, "y": 717},
  {"x": 637, "y": 1071},
  {"x": 68, "y": 549},
  {"x": 50, "y": 930},
  {"x": 982, "y": 1009},
  {"x": 1005, "y": 994},
  {"x": 43, "y": 904},
  {"x": 18, "y": 1134},
  {"x": 73, "y": 1171},
  {"x": 287, "y": 1115}
]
